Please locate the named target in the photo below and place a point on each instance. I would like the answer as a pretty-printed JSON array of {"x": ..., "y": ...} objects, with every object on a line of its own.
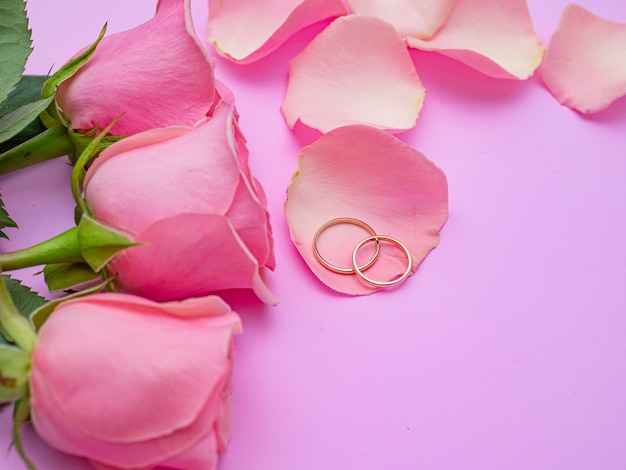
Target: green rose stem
[
  {"x": 63, "y": 248},
  {"x": 52, "y": 143}
]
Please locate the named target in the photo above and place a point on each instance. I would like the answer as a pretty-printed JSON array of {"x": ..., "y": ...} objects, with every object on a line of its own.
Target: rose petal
[
  {"x": 585, "y": 66},
  {"x": 244, "y": 32},
  {"x": 130, "y": 74},
  {"x": 262, "y": 250},
  {"x": 60, "y": 431},
  {"x": 209, "y": 306},
  {"x": 247, "y": 214},
  {"x": 202, "y": 456},
  {"x": 415, "y": 18},
  {"x": 368, "y": 174},
  {"x": 493, "y": 36},
  {"x": 356, "y": 71},
  {"x": 215, "y": 259}
]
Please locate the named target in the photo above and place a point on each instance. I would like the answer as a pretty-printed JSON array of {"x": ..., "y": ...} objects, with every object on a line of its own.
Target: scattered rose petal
[
  {"x": 493, "y": 36},
  {"x": 356, "y": 71},
  {"x": 585, "y": 64},
  {"x": 415, "y": 18},
  {"x": 245, "y": 31},
  {"x": 365, "y": 173}
]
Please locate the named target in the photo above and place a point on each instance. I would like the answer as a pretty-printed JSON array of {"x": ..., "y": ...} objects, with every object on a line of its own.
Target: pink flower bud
[
  {"x": 187, "y": 195},
  {"x": 130, "y": 383},
  {"x": 155, "y": 75}
]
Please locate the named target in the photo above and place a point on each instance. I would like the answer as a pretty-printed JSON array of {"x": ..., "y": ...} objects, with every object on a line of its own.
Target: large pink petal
[
  {"x": 585, "y": 64},
  {"x": 250, "y": 197},
  {"x": 209, "y": 306},
  {"x": 249, "y": 218},
  {"x": 415, "y": 18},
  {"x": 368, "y": 174},
  {"x": 356, "y": 71},
  {"x": 57, "y": 428},
  {"x": 495, "y": 37},
  {"x": 155, "y": 75},
  {"x": 245, "y": 31},
  {"x": 211, "y": 258},
  {"x": 202, "y": 456}
]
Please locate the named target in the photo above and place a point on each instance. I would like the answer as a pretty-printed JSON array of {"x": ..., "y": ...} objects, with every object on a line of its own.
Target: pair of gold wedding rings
[{"x": 356, "y": 268}]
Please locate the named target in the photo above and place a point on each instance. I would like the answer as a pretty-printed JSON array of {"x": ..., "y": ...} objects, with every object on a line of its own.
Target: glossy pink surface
[{"x": 506, "y": 350}]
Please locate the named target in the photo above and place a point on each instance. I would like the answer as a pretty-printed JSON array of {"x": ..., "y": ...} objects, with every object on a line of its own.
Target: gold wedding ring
[
  {"x": 343, "y": 220},
  {"x": 356, "y": 269},
  {"x": 378, "y": 238}
]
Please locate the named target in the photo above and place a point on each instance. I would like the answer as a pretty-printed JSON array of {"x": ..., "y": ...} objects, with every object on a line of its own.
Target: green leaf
[
  {"x": 14, "y": 365},
  {"x": 28, "y": 90},
  {"x": 67, "y": 276},
  {"x": 15, "y": 44},
  {"x": 15, "y": 121},
  {"x": 5, "y": 220},
  {"x": 51, "y": 117},
  {"x": 98, "y": 243},
  {"x": 25, "y": 299}
]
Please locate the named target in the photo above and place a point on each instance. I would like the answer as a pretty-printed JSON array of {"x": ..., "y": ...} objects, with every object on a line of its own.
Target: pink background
[{"x": 507, "y": 348}]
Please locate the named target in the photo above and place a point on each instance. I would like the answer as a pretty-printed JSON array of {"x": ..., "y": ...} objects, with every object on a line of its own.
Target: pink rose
[
  {"x": 187, "y": 195},
  {"x": 155, "y": 75},
  {"x": 128, "y": 383}
]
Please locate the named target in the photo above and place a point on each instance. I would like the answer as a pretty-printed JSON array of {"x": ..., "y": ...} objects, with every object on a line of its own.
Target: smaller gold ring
[
  {"x": 344, "y": 220},
  {"x": 378, "y": 238}
]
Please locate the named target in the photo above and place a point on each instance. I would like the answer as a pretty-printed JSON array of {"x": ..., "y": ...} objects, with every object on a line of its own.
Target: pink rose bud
[
  {"x": 155, "y": 75},
  {"x": 130, "y": 383},
  {"x": 187, "y": 195}
]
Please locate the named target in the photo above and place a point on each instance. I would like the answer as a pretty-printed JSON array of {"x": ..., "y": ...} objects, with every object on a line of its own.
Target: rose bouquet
[{"x": 131, "y": 366}]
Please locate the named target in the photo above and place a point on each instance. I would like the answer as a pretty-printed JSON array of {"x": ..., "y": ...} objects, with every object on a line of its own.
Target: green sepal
[
  {"x": 14, "y": 367},
  {"x": 82, "y": 141},
  {"x": 39, "y": 316},
  {"x": 52, "y": 143},
  {"x": 98, "y": 243},
  {"x": 15, "y": 121},
  {"x": 28, "y": 90},
  {"x": 21, "y": 414},
  {"x": 25, "y": 301},
  {"x": 15, "y": 44},
  {"x": 78, "y": 172},
  {"x": 51, "y": 117},
  {"x": 68, "y": 276},
  {"x": 90, "y": 242},
  {"x": 15, "y": 326}
]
